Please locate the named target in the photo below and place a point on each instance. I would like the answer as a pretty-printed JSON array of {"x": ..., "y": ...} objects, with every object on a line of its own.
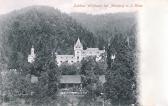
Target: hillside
[
  {"x": 121, "y": 22},
  {"x": 44, "y": 27},
  {"x": 50, "y": 30},
  {"x": 106, "y": 25}
]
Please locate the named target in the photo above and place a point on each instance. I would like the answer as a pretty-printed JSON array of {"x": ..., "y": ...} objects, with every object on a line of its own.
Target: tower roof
[{"x": 78, "y": 44}]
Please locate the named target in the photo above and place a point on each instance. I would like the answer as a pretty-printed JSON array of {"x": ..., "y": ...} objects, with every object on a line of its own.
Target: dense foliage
[
  {"x": 51, "y": 31},
  {"x": 121, "y": 85},
  {"x": 44, "y": 27},
  {"x": 105, "y": 26}
]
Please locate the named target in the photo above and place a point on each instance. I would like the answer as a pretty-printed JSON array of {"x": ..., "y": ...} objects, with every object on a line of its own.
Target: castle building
[
  {"x": 79, "y": 54},
  {"x": 32, "y": 55}
]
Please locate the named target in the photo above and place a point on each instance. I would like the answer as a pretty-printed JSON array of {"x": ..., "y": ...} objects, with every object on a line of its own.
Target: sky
[{"x": 68, "y": 6}]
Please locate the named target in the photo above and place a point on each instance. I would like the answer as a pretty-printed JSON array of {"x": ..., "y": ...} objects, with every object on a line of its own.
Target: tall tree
[
  {"x": 121, "y": 86},
  {"x": 46, "y": 89}
]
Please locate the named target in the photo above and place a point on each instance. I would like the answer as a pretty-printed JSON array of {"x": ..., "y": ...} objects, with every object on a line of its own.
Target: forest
[{"x": 49, "y": 31}]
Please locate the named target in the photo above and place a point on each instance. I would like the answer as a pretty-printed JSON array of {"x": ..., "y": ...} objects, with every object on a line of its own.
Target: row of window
[
  {"x": 91, "y": 52},
  {"x": 67, "y": 61},
  {"x": 72, "y": 57},
  {"x": 78, "y": 52}
]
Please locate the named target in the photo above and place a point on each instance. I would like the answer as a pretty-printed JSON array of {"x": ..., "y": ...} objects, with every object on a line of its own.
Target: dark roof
[
  {"x": 75, "y": 79},
  {"x": 78, "y": 44}
]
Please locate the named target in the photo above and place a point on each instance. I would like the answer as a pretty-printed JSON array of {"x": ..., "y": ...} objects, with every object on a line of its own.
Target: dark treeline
[{"x": 107, "y": 25}]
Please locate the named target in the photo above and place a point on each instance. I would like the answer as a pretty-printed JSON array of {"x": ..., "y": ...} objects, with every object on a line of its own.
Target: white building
[{"x": 79, "y": 54}]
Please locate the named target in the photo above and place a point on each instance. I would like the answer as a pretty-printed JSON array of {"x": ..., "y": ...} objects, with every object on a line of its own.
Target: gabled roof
[
  {"x": 75, "y": 79},
  {"x": 78, "y": 44}
]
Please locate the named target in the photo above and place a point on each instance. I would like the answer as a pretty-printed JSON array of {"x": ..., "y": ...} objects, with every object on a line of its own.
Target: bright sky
[{"x": 68, "y": 5}]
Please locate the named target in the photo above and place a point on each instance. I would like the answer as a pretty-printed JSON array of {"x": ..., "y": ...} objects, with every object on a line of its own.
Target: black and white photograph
[{"x": 70, "y": 53}]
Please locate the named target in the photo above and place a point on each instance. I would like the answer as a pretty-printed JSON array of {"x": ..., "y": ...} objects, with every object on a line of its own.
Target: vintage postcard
[{"x": 83, "y": 53}]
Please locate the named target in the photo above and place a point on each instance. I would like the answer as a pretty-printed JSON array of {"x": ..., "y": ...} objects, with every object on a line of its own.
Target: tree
[
  {"x": 90, "y": 71},
  {"x": 121, "y": 86},
  {"x": 46, "y": 89},
  {"x": 16, "y": 84},
  {"x": 90, "y": 66},
  {"x": 100, "y": 68},
  {"x": 67, "y": 69}
]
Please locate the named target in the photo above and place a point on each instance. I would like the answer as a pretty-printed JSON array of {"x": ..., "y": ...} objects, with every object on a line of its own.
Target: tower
[
  {"x": 32, "y": 55},
  {"x": 78, "y": 48},
  {"x": 32, "y": 50}
]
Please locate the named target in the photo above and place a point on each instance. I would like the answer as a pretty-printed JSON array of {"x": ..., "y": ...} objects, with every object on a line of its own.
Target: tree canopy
[
  {"x": 50, "y": 31},
  {"x": 121, "y": 85}
]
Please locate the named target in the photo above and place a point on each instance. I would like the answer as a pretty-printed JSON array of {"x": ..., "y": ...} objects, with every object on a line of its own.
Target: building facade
[{"x": 79, "y": 54}]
